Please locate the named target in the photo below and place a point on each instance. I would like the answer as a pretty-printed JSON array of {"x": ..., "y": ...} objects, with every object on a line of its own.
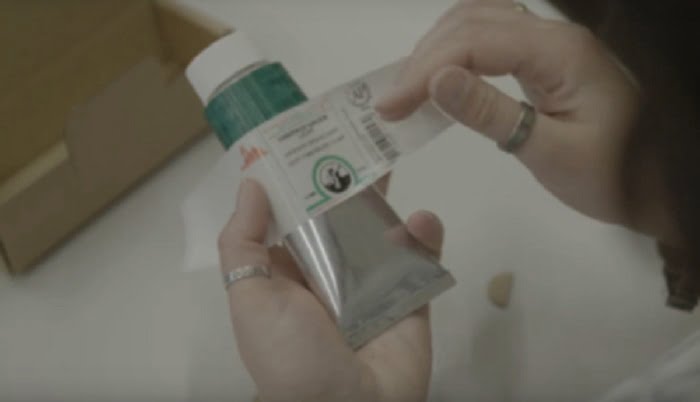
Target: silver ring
[
  {"x": 247, "y": 271},
  {"x": 521, "y": 7},
  {"x": 522, "y": 130}
]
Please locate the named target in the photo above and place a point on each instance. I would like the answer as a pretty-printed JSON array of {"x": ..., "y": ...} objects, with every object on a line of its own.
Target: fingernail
[
  {"x": 427, "y": 228},
  {"x": 428, "y": 216},
  {"x": 448, "y": 89},
  {"x": 384, "y": 105}
]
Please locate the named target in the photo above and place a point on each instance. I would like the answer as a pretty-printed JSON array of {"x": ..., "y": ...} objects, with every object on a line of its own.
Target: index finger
[{"x": 484, "y": 48}]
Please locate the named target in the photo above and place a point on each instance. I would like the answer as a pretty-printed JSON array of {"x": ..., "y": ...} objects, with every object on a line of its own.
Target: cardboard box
[{"x": 92, "y": 99}]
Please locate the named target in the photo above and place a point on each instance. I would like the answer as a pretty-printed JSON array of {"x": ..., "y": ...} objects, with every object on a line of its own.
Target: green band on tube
[{"x": 251, "y": 101}]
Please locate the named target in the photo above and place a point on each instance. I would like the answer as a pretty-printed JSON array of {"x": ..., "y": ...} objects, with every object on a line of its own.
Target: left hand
[{"x": 290, "y": 344}]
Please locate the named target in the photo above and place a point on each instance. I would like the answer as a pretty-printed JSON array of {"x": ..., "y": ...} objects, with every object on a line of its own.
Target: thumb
[{"x": 480, "y": 106}]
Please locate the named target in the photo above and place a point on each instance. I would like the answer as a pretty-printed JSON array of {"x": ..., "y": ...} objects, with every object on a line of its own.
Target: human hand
[
  {"x": 586, "y": 103},
  {"x": 290, "y": 344}
]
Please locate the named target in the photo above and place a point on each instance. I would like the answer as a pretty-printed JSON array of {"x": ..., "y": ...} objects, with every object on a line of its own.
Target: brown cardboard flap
[
  {"x": 185, "y": 32},
  {"x": 38, "y": 168},
  {"x": 113, "y": 140},
  {"x": 126, "y": 129},
  {"x": 35, "y": 33},
  {"x": 92, "y": 99},
  {"x": 35, "y": 102}
]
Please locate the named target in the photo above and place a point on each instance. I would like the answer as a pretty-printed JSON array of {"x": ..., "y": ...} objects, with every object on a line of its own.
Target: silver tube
[{"x": 364, "y": 265}]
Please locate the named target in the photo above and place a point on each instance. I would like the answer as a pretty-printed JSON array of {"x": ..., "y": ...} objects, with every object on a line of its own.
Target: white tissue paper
[{"x": 208, "y": 208}]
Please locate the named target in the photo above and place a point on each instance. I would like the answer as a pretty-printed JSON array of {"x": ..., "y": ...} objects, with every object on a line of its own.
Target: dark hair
[{"x": 656, "y": 41}]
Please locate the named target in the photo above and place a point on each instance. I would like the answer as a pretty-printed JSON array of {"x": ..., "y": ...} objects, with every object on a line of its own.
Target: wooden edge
[
  {"x": 4, "y": 259},
  {"x": 184, "y": 32},
  {"x": 215, "y": 26},
  {"x": 174, "y": 24},
  {"x": 37, "y": 168}
]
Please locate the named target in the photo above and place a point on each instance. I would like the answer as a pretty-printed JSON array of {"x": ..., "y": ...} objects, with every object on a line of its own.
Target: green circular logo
[{"x": 333, "y": 175}]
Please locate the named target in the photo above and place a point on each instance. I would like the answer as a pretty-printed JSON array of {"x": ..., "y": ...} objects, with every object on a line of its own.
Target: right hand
[{"x": 587, "y": 105}]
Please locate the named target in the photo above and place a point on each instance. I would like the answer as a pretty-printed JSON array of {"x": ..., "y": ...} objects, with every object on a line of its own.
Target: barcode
[{"x": 381, "y": 140}]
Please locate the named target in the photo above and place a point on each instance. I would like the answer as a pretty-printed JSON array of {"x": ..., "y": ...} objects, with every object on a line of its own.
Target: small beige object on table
[{"x": 500, "y": 288}]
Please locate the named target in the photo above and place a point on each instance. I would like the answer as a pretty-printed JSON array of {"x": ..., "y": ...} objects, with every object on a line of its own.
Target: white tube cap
[{"x": 220, "y": 61}]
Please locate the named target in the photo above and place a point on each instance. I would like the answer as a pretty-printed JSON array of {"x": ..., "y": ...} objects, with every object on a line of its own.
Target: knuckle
[
  {"x": 578, "y": 37},
  {"x": 482, "y": 107},
  {"x": 572, "y": 43},
  {"x": 228, "y": 238},
  {"x": 224, "y": 240}
]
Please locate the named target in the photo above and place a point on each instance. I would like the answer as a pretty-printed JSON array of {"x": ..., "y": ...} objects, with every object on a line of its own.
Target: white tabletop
[{"x": 110, "y": 316}]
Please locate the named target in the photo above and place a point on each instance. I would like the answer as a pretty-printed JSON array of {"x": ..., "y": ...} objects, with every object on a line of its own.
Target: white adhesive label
[{"x": 317, "y": 154}]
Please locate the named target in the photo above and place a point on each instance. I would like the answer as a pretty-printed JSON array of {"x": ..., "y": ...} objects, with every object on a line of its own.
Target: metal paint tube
[
  {"x": 353, "y": 249},
  {"x": 369, "y": 271}
]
